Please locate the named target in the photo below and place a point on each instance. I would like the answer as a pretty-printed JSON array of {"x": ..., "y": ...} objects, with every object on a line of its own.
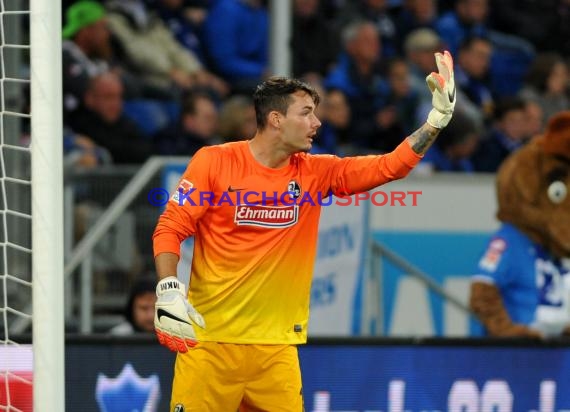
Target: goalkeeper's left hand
[
  {"x": 175, "y": 317},
  {"x": 442, "y": 87}
]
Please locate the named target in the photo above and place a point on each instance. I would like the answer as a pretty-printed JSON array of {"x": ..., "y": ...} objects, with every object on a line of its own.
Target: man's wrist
[
  {"x": 437, "y": 119},
  {"x": 170, "y": 284},
  {"x": 166, "y": 276}
]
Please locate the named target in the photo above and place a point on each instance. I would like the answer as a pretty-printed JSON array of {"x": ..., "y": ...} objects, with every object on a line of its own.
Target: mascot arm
[{"x": 487, "y": 304}]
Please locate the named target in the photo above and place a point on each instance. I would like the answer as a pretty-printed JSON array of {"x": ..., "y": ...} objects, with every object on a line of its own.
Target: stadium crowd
[{"x": 145, "y": 77}]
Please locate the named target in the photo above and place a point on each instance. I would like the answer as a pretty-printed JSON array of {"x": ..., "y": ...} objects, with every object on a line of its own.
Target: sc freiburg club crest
[{"x": 294, "y": 188}]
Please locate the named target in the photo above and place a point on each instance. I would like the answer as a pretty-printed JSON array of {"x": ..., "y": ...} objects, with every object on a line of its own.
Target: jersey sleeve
[
  {"x": 187, "y": 204},
  {"x": 349, "y": 175},
  {"x": 494, "y": 265}
]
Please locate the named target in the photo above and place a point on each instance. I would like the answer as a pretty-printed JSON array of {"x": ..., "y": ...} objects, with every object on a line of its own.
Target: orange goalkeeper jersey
[{"x": 255, "y": 232}]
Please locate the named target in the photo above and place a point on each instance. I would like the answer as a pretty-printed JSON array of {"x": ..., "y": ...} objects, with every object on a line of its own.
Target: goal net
[{"x": 31, "y": 212}]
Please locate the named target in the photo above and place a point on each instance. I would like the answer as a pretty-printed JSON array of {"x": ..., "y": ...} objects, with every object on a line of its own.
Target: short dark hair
[
  {"x": 541, "y": 69},
  {"x": 468, "y": 42},
  {"x": 459, "y": 129},
  {"x": 190, "y": 99},
  {"x": 275, "y": 94},
  {"x": 506, "y": 105},
  {"x": 141, "y": 286}
]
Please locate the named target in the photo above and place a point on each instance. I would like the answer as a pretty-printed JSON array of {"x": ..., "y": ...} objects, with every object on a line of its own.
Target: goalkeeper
[{"x": 237, "y": 329}]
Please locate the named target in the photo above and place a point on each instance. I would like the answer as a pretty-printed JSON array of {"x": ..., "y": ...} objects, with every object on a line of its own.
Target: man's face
[
  {"x": 424, "y": 60},
  {"x": 204, "y": 122},
  {"x": 513, "y": 125},
  {"x": 464, "y": 149},
  {"x": 249, "y": 124},
  {"x": 475, "y": 61},
  {"x": 473, "y": 11},
  {"x": 337, "y": 111},
  {"x": 423, "y": 10},
  {"x": 299, "y": 126},
  {"x": 558, "y": 79},
  {"x": 399, "y": 78},
  {"x": 143, "y": 311},
  {"x": 106, "y": 99},
  {"x": 366, "y": 46},
  {"x": 379, "y": 5},
  {"x": 534, "y": 115},
  {"x": 306, "y": 8},
  {"x": 172, "y": 4},
  {"x": 99, "y": 40}
]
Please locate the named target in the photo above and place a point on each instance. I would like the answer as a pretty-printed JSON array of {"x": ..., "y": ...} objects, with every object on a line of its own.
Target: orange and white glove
[
  {"x": 175, "y": 317},
  {"x": 442, "y": 87}
]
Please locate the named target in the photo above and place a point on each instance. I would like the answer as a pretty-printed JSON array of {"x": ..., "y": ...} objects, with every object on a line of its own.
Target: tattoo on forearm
[{"x": 422, "y": 138}]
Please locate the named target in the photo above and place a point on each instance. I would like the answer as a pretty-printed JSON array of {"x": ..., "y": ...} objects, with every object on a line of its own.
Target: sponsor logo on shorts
[{"x": 267, "y": 216}]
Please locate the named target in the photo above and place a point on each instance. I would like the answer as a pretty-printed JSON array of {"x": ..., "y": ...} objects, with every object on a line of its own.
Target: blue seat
[
  {"x": 151, "y": 115},
  {"x": 511, "y": 59}
]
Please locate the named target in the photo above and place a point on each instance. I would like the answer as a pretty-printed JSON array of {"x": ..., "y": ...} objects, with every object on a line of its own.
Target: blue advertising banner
[
  {"x": 387, "y": 375},
  {"x": 424, "y": 378}
]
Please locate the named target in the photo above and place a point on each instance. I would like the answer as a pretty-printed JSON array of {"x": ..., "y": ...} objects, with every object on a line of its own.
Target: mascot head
[{"x": 533, "y": 187}]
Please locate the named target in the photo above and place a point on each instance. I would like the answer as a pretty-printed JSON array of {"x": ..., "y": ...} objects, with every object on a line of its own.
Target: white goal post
[
  {"x": 31, "y": 207},
  {"x": 47, "y": 206}
]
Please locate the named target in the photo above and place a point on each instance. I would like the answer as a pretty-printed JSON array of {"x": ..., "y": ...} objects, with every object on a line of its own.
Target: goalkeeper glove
[
  {"x": 442, "y": 87},
  {"x": 174, "y": 316}
]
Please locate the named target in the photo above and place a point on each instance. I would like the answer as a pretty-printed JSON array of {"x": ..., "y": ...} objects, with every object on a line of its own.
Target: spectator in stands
[
  {"x": 154, "y": 53},
  {"x": 185, "y": 20},
  {"x": 534, "y": 118},
  {"x": 376, "y": 12},
  {"x": 358, "y": 76},
  {"x": 82, "y": 152},
  {"x": 237, "y": 40},
  {"x": 507, "y": 134},
  {"x": 472, "y": 73},
  {"x": 453, "y": 150},
  {"x": 414, "y": 15},
  {"x": 396, "y": 119},
  {"x": 419, "y": 47},
  {"x": 547, "y": 84},
  {"x": 511, "y": 54},
  {"x": 404, "y": 97},
  {"x": 195, "y": 128},
  {"x": 468, "y": 18},
  {"x": 237, "y": 119},
  {"x": 139, "y": 311},
  {"x": 85, "y": 49},
  {"x": 536, "y": 21},
  {"x": 101, "y": 117},
  {"x": 333, "y": 135},
  {"x": 314, "y": 43},
  {"x": 88, "y": 52}
]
